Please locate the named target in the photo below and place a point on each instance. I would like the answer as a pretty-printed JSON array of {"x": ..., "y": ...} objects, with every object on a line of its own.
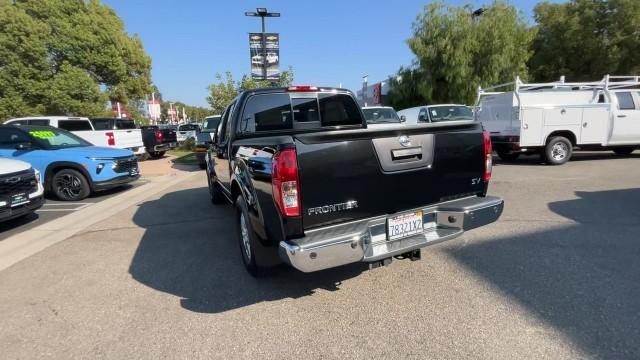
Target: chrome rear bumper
[{"x": 366, "y": 240}]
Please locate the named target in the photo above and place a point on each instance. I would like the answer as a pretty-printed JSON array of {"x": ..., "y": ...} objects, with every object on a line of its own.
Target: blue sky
[{"x": 329, "y": 42}]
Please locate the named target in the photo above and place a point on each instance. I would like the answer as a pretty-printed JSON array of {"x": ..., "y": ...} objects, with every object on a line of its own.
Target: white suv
[{"x": 21, "y": 191}]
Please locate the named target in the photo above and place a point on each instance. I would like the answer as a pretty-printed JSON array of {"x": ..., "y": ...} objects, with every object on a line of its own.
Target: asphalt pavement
[
  {"x": 54, "y": 209},
  {"x": 556, "y": 277}
]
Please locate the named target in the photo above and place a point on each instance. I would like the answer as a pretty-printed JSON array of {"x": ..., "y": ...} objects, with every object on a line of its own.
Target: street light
[{"x": 263, "y": 13}]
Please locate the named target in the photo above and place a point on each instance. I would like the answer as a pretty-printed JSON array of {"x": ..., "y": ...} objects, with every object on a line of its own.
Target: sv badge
[{"x": 476, "y": 181}]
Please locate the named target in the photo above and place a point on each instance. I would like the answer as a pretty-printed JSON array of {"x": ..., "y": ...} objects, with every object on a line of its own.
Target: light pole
[{"x": 263, "y": 13}]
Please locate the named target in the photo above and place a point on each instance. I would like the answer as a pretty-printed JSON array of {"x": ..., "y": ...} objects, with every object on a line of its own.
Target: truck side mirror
[{"x": 403, "y": 118}]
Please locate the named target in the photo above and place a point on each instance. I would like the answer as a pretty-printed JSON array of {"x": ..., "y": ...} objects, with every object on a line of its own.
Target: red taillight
[
  {"x": 488, "y": 157},
  {"x": 285, "y": 183},
  {"x": 111, "y": 140},
  {"x": 302, "y": 88},
  {"x": 159, "y": 136}
]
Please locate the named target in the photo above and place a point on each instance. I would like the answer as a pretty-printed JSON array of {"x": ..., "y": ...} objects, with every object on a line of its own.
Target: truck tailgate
[
  {"x": 128, "y": 138},
  {"x": 372, "y": 172}
]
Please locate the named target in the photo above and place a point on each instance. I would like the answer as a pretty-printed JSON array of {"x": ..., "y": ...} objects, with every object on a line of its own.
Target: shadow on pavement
[
  {"x": 534, "y": 159},
  {"x": 190, "y": 250},
  {"x": 583, "y": 278},
  {"x": 14, "y": 223}
]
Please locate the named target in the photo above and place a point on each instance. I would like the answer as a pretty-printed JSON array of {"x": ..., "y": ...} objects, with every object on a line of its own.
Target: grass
[{"x": 184, "y": 157}]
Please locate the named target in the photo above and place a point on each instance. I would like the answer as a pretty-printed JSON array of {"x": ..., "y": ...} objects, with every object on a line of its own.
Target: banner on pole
[{"x": 271, "y": 49}]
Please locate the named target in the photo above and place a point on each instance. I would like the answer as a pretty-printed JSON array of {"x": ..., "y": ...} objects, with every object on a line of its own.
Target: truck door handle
[
  {"x": 525, "y": 126},
  {"x": 414, "y": 153},
  {"x": 584, "y": 125},
  {"x": 622, "y": 116}
]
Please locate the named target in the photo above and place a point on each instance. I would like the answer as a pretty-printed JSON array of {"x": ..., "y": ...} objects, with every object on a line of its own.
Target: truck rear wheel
[
  {"x": 247, "y": 239},
  {"x": 558, "y": 150},
  {"x": 623, "y": 151},
  {"x": 156, "y": 154}
]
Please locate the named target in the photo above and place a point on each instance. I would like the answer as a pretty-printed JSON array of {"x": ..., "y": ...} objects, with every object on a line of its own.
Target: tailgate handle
[{"x": 414, "y": 153}]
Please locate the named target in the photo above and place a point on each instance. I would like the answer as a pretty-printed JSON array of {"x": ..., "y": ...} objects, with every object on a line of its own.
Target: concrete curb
[{"x": 20, "y": 246}]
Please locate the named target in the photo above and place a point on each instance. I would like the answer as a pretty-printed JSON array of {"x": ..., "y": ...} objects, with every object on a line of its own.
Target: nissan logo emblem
[{"x": 404, "y": 140}]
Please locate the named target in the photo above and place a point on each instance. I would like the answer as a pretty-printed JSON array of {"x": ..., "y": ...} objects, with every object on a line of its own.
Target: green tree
[
  {"x": 226, "y": 89},
  {"x": 67, "y": 57},
  {"x": 457, "y": 51},
  {"x": 586, "y": 39}
]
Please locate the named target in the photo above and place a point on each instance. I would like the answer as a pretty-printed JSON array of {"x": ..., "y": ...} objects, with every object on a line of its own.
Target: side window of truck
[
  {"x": 422, "y": 116},
  {"x": 625, "y": 101},
  {"x": 224, "y": 130}
]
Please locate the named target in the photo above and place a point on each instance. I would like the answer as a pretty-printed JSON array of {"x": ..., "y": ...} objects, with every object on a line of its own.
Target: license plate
[
  {"x": 404, "y": 225},
  {"x": 19, "y": 199}
]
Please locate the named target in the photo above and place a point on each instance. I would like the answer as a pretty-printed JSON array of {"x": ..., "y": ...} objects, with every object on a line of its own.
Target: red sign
[{"x": 377, "y": 93}]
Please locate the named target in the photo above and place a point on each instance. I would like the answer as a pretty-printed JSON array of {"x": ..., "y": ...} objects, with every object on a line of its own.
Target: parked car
[
  {"x": 210, "y": 125},
  {"x": 187, "y": 131},
  {"x": 70, "y": 167},
  {"x": 381, "y": 116},
  {"x": 117, "y": 133},
  {"x": 158, "y": 139},
  {"x": 437, "y": 113},
  {"x": 307, "y": 179},
  {"x": 552, "y": 119},
  {"x": 21, "y": 192}
]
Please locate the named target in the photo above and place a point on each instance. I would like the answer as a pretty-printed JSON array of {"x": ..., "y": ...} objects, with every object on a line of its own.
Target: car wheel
[
  {"x": 247, "y": 239},
  {"x": 70, "y": 185},
  {"x": 558, "y": 150},
  {"x": 215, "y": 195},
  {"x": 623, "y": 151},
  {"x": 508, "y": 155}
]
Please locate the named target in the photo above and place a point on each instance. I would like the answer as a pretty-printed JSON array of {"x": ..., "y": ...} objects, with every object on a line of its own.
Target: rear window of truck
[
  {"x": 291, "y": 111},
  {"x": 74, "y": 125},
  {"x": 125, "y": 124},
  {"x": 102, "y": 124}
]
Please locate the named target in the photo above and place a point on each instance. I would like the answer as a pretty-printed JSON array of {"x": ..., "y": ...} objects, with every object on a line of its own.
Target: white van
[
  {"x": 554, "y": 118},
  {"x": 110, "y": 132}
]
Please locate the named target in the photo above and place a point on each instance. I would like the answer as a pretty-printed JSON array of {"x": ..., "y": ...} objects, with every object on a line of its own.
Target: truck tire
[
  {"x": 70, "y": 185},
  {"x": 507, "y": 156},
  {"x": 157, "y": 154},
  {"x": 247, "y": 239},
  {"x": 558, "y": 150},
  {"x": 215, "y": 195},
  {"x": 623, "y": 150}
]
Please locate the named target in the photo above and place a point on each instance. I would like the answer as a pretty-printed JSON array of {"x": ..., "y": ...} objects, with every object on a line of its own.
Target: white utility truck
[{"x": 553, "y": 118}]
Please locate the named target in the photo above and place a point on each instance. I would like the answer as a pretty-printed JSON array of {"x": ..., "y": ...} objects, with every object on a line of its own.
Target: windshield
[
  {"x": 211, "y": 123},
  {"x": 188, "y": 127},
  {"x": 53, "y": 138},
  {"x": 450, "y": 113},
  {"x": 380, "y": 115}
]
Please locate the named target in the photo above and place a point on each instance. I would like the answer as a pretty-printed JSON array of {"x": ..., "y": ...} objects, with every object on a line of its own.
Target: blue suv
[{"x": 71, "y": 168}]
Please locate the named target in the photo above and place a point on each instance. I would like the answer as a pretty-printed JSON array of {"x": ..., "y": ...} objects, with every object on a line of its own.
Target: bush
[{"x": 187, "y": 145}]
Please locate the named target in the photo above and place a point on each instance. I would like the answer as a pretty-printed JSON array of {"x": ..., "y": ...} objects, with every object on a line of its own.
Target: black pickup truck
[
  {"x": 158, "y": 139},
  {"x": 315, "y": 188}
]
